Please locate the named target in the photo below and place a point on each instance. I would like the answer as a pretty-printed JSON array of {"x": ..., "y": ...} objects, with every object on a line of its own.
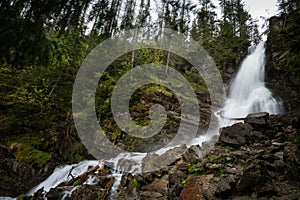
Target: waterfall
[{"x": 248, "y": 93}]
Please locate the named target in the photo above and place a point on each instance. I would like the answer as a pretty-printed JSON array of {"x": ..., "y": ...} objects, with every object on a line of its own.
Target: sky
[
  {"x": 266, "y": 8},
  {"x": 258, "y": 8}
]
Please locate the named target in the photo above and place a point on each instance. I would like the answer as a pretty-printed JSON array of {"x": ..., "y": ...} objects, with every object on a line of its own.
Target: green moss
[
  {"x": 136, "y": 183},
  {"x": 76, "y": 183},
  {"x": 199, "y": 170},
  {"x": 22, "y": 196},
  {"x": 221, "y": 171},
  {"x": 27, "y": 148},
  {"x": 228, "y": 148},
  {"x": 214, "y": 159},
  {"x": 220, "y": 160},
  {"x": 190, "y": 167},
  {"x": 296, "y": 141},
  {"x": 32, "y": 156},
  {"x": 185, "y": 181},
  {"x": 211, "y": 158},
  {"x": 205, "y": 152}
]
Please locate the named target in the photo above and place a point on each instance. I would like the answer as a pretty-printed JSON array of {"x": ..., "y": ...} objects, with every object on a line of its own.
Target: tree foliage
[
  {"x": 43, "y": 43},
  {"x": 287, "y": 6}
]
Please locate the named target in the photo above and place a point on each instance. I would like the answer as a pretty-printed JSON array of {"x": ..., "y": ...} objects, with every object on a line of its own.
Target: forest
[{"x": 43, "y": 44}]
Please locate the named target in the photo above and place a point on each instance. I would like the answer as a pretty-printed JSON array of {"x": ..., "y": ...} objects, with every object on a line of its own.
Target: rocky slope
[{"x": 258, "y": 159}]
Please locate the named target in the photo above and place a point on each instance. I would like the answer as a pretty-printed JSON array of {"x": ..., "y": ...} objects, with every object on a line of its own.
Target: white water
[
  {"x": 248, "y": 93},
  {"x": 62, "y": 174},
  {"x": 120, "y": 167}
]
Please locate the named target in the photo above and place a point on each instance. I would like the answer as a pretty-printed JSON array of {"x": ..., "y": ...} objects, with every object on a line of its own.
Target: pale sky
[
  {"x": 257, "y": 8},
  {"x": 266, "y": 8}
]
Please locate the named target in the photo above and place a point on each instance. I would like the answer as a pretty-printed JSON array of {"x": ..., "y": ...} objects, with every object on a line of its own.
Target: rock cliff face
[{"x": 283, "y": 58}]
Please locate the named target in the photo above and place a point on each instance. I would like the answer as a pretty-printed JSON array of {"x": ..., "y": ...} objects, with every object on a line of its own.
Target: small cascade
[
  {"x": 248, "y": 93},
  {"x": 120, "y": 166},
  {"x": 64, "y": 173}
]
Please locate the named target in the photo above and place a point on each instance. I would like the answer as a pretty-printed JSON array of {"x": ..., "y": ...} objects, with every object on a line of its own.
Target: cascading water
[
  {"x": 248, "y": 93},
  {"x": 64, "y": 173}
]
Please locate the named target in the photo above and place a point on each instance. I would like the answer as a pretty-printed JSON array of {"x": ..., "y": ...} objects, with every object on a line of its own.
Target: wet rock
[
  {"x": 223, "y": 184},
  {"x": 238, "y": 134},
  {"x": 129, "y": 189},
  {"x": 159, "y": 185},
  {"x": 267, "y": 189},
  {"x": 231, "y": 170},
  {"x": 193, "y": 154},
  {"x": 216, "y": 166},
  {"x": 150, "y": 195},
  {"x": 38, "y": 195},
  {"x": 154, "y": 162},
  {"x": 291, "y": 157},
  {"x": 176, "y": 177},
  {"x": 216, "y": 187},
  {"x": 253, "y": 177},
  {"x": 53, "y": 194},
  {"x": 257, "y": 120},
  {"x": 279, "y": 155},
  {"x": 290, "y": 129},
  {"x": 84, "y": 192}
]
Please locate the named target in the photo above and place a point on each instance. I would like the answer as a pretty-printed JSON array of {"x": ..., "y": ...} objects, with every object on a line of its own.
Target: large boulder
[
  {"x": 257, "y": 120},
  {"x": 238, "y": 134}
]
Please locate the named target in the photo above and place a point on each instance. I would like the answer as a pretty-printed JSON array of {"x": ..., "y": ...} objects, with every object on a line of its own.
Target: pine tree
[
  {"x": 99, "y": 17},
  {"x": 204, "y": 25},
  {"x": 287, "y": 6},
  {"x": 128, "y": 18}
]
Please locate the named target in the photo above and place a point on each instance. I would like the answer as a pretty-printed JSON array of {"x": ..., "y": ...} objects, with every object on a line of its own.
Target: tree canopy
[{"x": 43, "y": 44}]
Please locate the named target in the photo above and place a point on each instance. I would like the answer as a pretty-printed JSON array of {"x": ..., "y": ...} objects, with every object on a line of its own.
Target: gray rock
[
  {"x": 253, "y": 177},
  {"x": 151, "y": 194},
  {"x": 159, "y": 185},
  {"x": 257, "y": 120},
  {"x": 238, "y": 135}
]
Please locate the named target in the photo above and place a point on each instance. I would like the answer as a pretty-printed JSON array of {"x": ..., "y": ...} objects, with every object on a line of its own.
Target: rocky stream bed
[{"x": 257, "y": 159}]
